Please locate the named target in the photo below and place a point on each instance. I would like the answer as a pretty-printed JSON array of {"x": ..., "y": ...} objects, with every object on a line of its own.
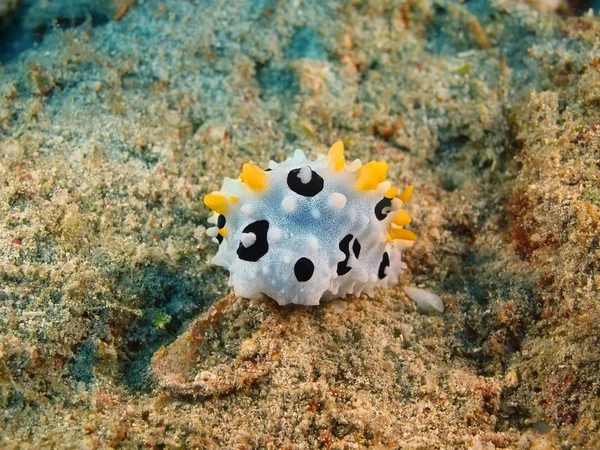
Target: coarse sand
[{"x": 116, "y": 117}]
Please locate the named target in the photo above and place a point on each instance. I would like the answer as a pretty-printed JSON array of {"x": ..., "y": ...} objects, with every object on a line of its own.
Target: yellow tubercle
[
  {"x": 254, "y": 177},
  {"x": 216, "y": 202},
  {"x": 391, "y": 192},
  {"x": 233, "y": 199},
  {"x": 370, "y": 175},
  {"x": 223, "y": 232},
  {"x": 401, "y": 218},
  {"x": 406, "y": 194},
  {"x": 336, "y": 156},
  {"x": 401, "y": 233},
  {"x": 389, "y": 238}
]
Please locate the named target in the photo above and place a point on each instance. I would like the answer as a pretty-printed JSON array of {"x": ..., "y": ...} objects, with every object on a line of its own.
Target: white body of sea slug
[{"x": 305, "y": 230}]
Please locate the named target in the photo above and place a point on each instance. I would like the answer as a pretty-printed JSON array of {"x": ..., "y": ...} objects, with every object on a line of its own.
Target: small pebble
[{"x": 425, "y": 300}]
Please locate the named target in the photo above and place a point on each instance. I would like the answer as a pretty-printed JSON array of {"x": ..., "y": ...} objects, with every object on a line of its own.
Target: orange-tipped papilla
[
  {"x": 401, "y": 233},
  {"x": 336, "y": 156},
  {"x": 391, "y": 192},
  {"x": 401, "y": 218},
  {"x": 217, "y": 202},
  {"x": 254, "y": 177},
  {"x": 370, "y": 175},
  {"x": 406, "y": 194}
]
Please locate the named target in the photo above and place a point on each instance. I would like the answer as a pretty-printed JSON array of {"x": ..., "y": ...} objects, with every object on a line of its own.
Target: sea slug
[{"x": 302, "y": 230}]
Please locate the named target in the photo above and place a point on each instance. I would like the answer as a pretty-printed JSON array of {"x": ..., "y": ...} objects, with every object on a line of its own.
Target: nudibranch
[{"x": 302, "y": 230}]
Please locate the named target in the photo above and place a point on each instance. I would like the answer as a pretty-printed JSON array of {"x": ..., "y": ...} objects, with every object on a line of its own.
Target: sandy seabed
[{"x": 117, "y": 117}]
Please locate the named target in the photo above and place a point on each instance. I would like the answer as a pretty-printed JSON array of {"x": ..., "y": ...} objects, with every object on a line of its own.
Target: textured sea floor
[{"x": 116, "y": 118}]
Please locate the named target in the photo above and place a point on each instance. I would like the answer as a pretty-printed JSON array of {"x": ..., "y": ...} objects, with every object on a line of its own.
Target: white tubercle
[
  {"x": 313, "y": 243},
  {"x": 354, "y": 165},
  {"x": 274, "y": 234},
  {"x": 289, "y": 204},
  {"x": 248, "y": 239},
  {"x": 305, "y": 175},
  {"x": 247, "y": 209},
  {"x": 337, "y": 200}
]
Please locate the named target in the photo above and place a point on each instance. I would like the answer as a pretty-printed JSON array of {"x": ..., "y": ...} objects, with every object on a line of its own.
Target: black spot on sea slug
[
  {"x": 356, "y": 248},
  {"x": 343, "y": 268},
  {"x": 385, "y": 263},
  {"x": 221, "y": 221},
  {"x": 219, "y": 238},
  {"x": 309, "y": 189},
  {"x": 260, "y": 247},
  {"x": 382, "y": 209},
  {"x": 304, "y": 269}
]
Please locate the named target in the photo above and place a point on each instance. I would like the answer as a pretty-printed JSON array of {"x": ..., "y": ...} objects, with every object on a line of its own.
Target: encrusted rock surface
[{"x": 115, "y": 330}]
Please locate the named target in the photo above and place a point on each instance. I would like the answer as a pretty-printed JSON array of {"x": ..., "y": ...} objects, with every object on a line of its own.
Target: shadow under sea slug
[{"x": 304, "y": 230}]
